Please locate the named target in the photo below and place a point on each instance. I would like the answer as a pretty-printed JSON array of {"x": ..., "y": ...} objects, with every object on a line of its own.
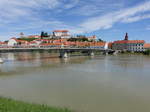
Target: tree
[
  {"x": 100, "y": 40},
  {"x": 27, "y": 39},
  {"x": 42, "y": 34},
  {"x": 45, "y": 34},
  {"x": 81, "y": 36},
  {"x": 83, "y": 39},
  {"x": 147, "y": 52},
  {"x": 72, "y": 39}
]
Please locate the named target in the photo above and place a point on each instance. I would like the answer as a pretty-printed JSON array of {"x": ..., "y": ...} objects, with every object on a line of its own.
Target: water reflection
[{"x": 25, "y": 61}]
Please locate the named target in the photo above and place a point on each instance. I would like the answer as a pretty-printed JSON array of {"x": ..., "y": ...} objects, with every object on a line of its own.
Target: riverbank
[{"x": 9, "y": 105}]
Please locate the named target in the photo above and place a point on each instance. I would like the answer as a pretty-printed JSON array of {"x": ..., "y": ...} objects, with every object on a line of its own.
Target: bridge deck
[{"x": 51, "y": 48}]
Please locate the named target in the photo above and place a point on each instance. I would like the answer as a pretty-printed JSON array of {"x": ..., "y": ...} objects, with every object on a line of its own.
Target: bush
[
  {"x": 147, "y": 52},
  {"x": 83, "y": 39},
  {"x": 27, "y": 39}
]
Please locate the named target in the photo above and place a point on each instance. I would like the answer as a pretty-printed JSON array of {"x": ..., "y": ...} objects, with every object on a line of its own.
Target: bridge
[{"x": 63, "y": 51}]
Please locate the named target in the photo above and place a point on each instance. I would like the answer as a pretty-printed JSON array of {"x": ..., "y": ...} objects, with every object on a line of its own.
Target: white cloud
[
  {"x": 108, "y": 20},
  {"x": 135, "y": 18},
  {"x": 87, "y": 10},
  {"x": 41, "y": 24},
  {"x": 93, "y": 7},
  {"x": 13, "y": 9}
]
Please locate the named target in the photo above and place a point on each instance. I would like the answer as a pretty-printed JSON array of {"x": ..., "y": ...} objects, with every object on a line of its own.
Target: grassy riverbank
[{"x": 9, "y": 105}]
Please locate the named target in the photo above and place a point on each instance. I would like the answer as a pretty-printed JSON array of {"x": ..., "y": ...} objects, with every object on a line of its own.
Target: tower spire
[{"x": 126, "y": 36}]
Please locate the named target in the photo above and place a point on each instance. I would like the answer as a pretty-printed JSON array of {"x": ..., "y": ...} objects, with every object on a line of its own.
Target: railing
[{"x": 50, "y": 47}]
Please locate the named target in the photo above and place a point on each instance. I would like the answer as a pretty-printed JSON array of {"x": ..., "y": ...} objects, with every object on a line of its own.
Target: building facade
[
  {"x": 92, "y": 38},
  {"x": 61, "y": 34},
  {"x": 12, "y": 42},
  {"x": 15, "y": 42},
  {"x": 129, "y": 45}
]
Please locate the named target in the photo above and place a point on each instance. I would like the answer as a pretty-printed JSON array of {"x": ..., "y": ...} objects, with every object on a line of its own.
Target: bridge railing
[{"x": 50, "y": 47}]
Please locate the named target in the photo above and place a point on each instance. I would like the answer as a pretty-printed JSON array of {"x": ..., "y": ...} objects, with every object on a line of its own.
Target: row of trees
[
  {"x": 44, "y": 34},
  {"x": 147, "y": 52},
  {"x": 83, "y": 39},
  {"x": 27, "y": 39}
]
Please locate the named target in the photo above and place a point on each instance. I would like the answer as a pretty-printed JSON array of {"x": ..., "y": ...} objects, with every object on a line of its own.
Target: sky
[{"x": 107, "y": 19}]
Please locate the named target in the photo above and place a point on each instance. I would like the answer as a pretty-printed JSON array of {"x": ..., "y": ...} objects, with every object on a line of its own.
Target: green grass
[{"x": 9, "y": 105}]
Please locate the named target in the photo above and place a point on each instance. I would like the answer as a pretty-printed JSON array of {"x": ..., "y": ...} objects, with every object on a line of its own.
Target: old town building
[
  {"x": 129, "y": 45},
  {"x": 61, "y": 34}
]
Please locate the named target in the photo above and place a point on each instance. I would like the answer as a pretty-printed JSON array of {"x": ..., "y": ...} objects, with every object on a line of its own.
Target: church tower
[{"x": 126, "y": 36}]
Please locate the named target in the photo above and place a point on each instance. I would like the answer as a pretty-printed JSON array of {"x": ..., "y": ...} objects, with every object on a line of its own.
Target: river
[{"x": 84, "y": 84}]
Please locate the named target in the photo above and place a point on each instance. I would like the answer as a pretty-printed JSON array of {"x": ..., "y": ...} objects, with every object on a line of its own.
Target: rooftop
[
  {"x": 147, "y": 45},
  {"x": 60, "y": 31},
  {"x": 129, "y": 41}
]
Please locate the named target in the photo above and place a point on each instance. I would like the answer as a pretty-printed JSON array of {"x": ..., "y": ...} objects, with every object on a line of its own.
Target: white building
[
  {"x": 93, "y": 38},
  {"x": 61, "y": 34},
  {"x": 15, "y": 42},
  {"x": 129, "y": 45},
  {"x": 12, "y": 42}
]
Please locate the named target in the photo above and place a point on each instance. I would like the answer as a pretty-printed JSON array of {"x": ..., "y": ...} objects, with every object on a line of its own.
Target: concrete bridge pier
[
  {"x": 115, "y": 52},
  {"x": 63, "y": 54},
  {"x": 105, "y": 52},
  {"x": 91, "y": 53}
]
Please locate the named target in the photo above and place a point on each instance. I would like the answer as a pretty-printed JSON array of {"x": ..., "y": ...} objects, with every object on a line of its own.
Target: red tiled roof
[
  {"x": 60, "y": 31},
  {"x": 34, "y": 36},
  {"x": 69, "y": 43},
  {"x": 41, "y": 40},
  {"x": 129, "y": 41},
  {"x": 32, "y": 42},
  {"x": 47, "y": 44},
  {"x": 98, "y": 44},
  {"x": 76, "y": 43},
  {"x": 2, "y": 43},
  {"x": 147, "y": 45},
  {"x": 93, "y": 37},
  {"x": 65, "y": 35},
  {"x": 14, "y": 38},
  {"x": 23, "y": 41},
  {"x": 136, "y": 41}
]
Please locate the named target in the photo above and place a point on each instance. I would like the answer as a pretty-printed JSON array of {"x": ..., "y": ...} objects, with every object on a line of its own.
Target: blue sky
[{"x": 107, "y": 19}]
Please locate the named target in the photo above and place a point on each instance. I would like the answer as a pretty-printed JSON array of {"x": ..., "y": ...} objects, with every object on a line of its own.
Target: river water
[{"x": 84, "y": 84}]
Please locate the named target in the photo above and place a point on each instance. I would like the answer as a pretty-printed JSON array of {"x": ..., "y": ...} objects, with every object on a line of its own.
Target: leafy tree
[
  {"x": 100, "y": 40},
  {"x": 27, "y": 39},
  {"x": 42, "y": 34},
  {"x": 81, "y": 36},
  {"x": 45, "y": 34},
  {"x": 6, "y": 41},
  {"x": 72, "y": 39},
  {"x": 83, "y": 39}
]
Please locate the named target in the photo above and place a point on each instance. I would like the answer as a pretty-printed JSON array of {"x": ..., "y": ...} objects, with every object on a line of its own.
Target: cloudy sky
[{"x": 108, "y": 19}]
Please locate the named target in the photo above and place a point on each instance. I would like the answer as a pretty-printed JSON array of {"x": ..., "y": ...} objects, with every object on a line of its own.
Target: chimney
[{"x": 126, "y": 36}]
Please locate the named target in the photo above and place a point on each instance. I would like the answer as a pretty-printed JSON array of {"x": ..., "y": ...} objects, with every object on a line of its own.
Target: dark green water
[{"x": 98, "y": 84}]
